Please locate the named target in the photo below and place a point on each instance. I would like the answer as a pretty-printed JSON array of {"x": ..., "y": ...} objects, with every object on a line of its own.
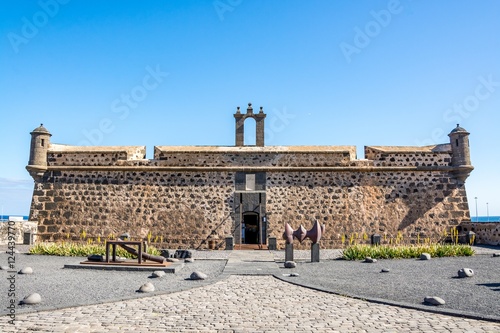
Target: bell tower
[{"x": 240, "y": 125}]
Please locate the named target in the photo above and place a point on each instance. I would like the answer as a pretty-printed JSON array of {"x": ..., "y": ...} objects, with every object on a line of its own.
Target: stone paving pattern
[{"x": 244, "y": 303}]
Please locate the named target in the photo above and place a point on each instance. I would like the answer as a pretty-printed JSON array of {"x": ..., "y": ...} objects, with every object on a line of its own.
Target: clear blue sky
[{"x": 326, "y": 72}]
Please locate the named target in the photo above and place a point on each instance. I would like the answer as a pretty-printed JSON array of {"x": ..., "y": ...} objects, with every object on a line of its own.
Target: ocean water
[
  {"x": 485, "y": 219},
  {"x": 6, "y": 217}
]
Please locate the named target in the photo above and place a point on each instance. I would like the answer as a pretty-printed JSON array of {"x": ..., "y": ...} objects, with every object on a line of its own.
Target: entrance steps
[{"x": 250, "y": 247}]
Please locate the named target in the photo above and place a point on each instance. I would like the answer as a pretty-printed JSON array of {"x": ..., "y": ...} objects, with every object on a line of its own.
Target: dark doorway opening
[{"x": 250, "y": 228}]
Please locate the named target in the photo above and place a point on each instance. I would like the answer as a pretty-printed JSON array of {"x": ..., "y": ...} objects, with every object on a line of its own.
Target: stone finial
[
  {"x": 238, "y": 109},
  {"x": 261, "y": 110},
  {"x": 250, "y": 108}
]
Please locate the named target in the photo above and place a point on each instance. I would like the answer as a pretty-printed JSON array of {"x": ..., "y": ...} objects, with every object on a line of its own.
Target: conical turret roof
[
  {"x": 459, "y": 129},
  {"x": 40, "y": 129}
]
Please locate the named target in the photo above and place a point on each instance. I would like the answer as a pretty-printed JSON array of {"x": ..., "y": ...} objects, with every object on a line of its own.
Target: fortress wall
[
  {"x": 486, "y": 232},
  {"x": 72, "y": 159},
  {"x": 424, "y": 203},
  {"x": 183, "y": 208},
  {"x": 282, "y": 159},
  {"x": 103, "y": 191},
  {"x": 62, "y": 155},
  {"x": 410, "y": 159}
]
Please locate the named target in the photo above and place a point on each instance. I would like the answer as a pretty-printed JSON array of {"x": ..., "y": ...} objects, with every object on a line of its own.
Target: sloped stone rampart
[
  {"x": 186, "y": 209},
  {"x": 486, "y": 232},
  {"x": 358, "y": 203},
  {"x": 181, "y": 208},
  {"x": 17, "y": 229}
]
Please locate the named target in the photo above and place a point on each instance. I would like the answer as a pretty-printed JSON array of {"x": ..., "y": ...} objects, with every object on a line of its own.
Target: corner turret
[
  {"x": 460, "y": 159},
  {"x": 40, "y": 142}
]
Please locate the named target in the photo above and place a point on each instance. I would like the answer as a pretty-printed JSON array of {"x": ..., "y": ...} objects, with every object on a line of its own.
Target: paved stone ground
[{"x": 243, "y": 303}]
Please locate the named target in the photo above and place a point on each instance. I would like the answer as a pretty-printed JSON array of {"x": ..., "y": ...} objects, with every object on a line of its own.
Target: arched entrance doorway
[{"x": 250, "y": 228}]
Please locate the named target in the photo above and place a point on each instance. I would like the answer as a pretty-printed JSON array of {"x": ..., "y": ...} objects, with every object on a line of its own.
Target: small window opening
[
  {"x": 456, "y": 142},
  {"x": 250, "y": 182},
  {"x": 42, "y": 142}
]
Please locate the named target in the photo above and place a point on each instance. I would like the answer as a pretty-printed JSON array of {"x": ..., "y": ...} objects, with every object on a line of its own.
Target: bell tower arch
[{"x": 240, "y": 125}]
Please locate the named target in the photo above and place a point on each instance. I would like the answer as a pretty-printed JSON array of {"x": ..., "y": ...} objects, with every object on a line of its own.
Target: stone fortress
[{"x": 196, "y": 196}]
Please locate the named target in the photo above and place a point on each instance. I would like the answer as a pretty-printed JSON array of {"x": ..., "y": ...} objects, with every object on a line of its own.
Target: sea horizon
[{"x": 485, "y": 219}]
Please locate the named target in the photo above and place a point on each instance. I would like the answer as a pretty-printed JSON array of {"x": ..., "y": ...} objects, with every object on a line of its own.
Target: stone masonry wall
[
  {"x": 85, "y": 159},
  {"x": 184, "y": 208},
  {"x": 254, "y": 159},
  {"x": 486, "y": 232},
  {"x": 421, "y": 158},
  {"x": 63, "y": 155},
  {"x": 105, "y": 191},
  {"x": 19, "y": 228},
  {"x": 357, "y": 203},
  {"x": 169, "y": 205}
]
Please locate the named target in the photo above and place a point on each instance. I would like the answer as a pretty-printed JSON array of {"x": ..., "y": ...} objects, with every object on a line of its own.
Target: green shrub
[
  {"x": 360, "y": 252},
  {"x": 70, "y": 249}
]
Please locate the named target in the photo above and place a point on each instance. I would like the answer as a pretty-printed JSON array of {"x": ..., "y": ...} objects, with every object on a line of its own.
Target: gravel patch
[
  {"x": 63, "y": 287},
  {"x": 410, "y": 281},
  {"x": 407, "y": 281}
]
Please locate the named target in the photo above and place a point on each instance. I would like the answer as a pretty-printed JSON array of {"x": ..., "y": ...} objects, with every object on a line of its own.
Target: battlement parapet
[
  {"x": 66, "y": 155},
  {"x": 273, "y": 156},
  {"x": 435, "y": 155}
]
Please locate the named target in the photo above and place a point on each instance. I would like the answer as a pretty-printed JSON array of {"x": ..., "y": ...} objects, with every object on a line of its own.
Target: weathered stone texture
[
  {"x": 439, "y": 155},
  {"x": 171, "y": 205},
  {"x": 17, "y": 230},
  {"x": 62, "y": 155},
  {"x": 195, "y": 196},
  {"x": 423, "y": 203},
  {"x": 248, "y": 156},
  {"x": 486, "y": 232},
  {"x": 184, "y": 208}
]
